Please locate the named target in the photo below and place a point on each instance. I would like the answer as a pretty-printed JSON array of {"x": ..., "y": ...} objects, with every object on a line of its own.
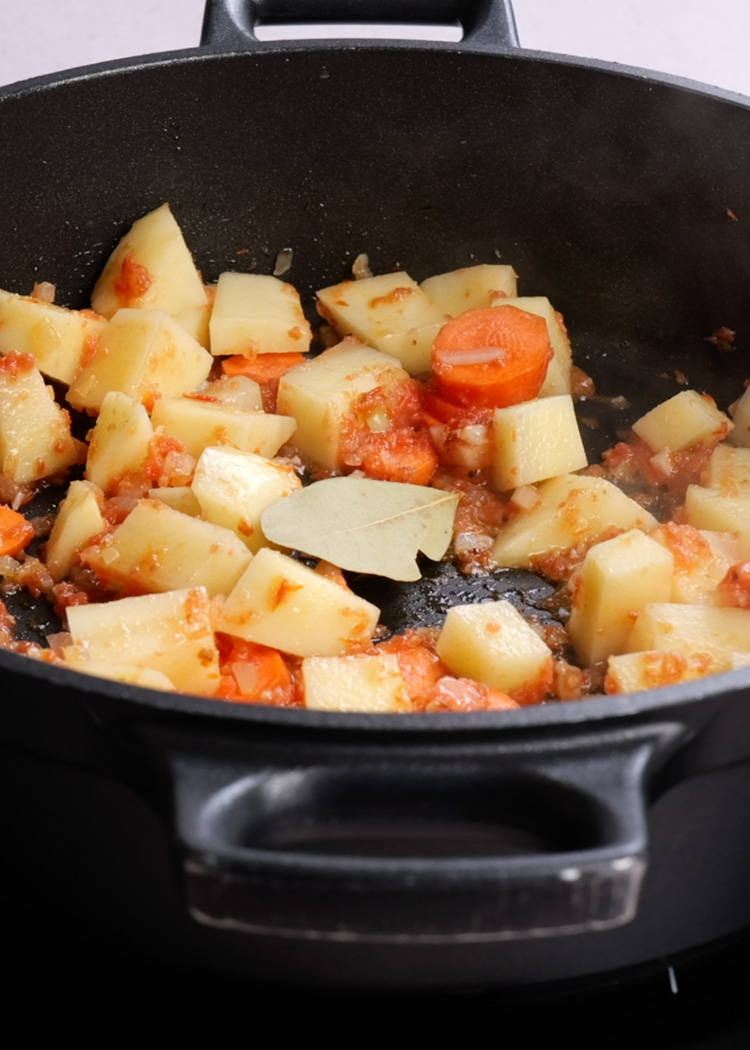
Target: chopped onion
[
  {"x": 283, "y": 262},
  {"x": 472, "y": 541},
  {"x": 44, "y": 292},
  {"x": 480, "y": 355},
  {"x": 526, "y": 497},
  {"x": 246, "y": 677},
  {"x": 361, "y": 267}
]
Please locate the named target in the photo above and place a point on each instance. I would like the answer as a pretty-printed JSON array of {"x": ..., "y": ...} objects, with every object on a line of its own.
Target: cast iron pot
[{"x": 504, "y": 849}]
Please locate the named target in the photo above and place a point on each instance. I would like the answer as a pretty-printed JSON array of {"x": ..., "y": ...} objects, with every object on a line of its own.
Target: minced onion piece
[
  {"x": 361, "y": 267},
  {"x": 480, "y": 355},
  {"x": 283, "y": 262},
  {"x": 44, "y": 292}
]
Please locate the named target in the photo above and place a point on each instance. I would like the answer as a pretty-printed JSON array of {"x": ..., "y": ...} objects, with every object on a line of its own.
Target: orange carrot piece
[
  {"x": 260, "y": 674},
  {"x": 492, "y": 357},
  {"x": 263, "y": 368},
  {"x": 15, "y": 531}
]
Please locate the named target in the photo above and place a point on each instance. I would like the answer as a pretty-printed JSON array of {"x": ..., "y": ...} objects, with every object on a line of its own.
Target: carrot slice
[
  {"x": 263, "y": 368},
  {"x": 15, "y": 531},
  {"x": 256, "y": 673},
  {"x": 492, "y": 357}
]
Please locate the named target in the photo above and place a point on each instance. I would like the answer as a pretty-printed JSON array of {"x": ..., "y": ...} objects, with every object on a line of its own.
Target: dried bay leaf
[{"x": 363, "y": 525}]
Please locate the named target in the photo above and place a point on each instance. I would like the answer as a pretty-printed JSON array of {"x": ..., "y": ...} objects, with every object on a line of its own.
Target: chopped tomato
[
  {"x": 15, "y": 531},
  {"x": 255, "y": 674}
]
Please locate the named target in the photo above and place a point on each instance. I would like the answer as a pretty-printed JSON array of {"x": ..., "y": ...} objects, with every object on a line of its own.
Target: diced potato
[
  {"x": 701, "y": 561},
  {"x": 200, "y": 424},
  {"x": 282, "y": 603},
  {"x": 557, "y": 380},
  {"x": 536, "y": 440},
  {"x": 170, "y": 633},
  {"x": 56, "y": 338},
  {"x": 692, "y": 629},
  {"x": 78, "y": 521},
  {"x": 618, "y": 577},
  {"x": 632, "y": 672},
  {"x": 151, "y": 267},
  {"x": 146, "y": 677},
  {"x": 35, "y": 438},
  {"x": 178, "y": 497},
  {"x": 195, "y": 322},
  {"x": 143, "y": 353},
  {"x": 365, "y": 684},
  {"x": 728, "y": 470},
  {"x": 389, "y": 312},
  {"x": 235, "y": 487},
  {"x": 158, "y": 549},
  {"x": 709, "y": 509},
  {"x": 572, "y": 511},
  {"x": 236, "y": 391},
  {"x": 256, "y": 314},
  {"x": 686, "y": 419},
  {"x": 492, "y": 643},
  {"x": 320, "y": 394},
  {"x": 118, "y": 444},
  {"x": 470, "y": 288},
  {"x": 740, "y": 436}
]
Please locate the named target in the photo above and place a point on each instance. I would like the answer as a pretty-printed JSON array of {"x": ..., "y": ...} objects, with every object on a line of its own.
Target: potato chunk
[
  {"x": 157, "y": 548},
  {"x": 199, "y": 424},
  {"x": 367, "y": 684},
  {"x": 557, "y": 380},
  {"x": 56, "y": 338},
  {"x": 320, "y": 395},
  {"x": 728, "y": 470},
  {"x": 78, "y": 521},
  {"x": 572, "y": 511},
  {"x": 470, "y": 287},
  {"x": 709, "y": 509},
  {"x": 282, "y": 603},
  {"x": 35, "y": 438},
  {"x": 492, "y": 643},
  {"x": 618, "y": 577},
  {"x": 535, "y": 440},
  {"x": 170, "y": 633},
  {"x": 631, "y": 672},
  {"x": 118, "y": 444},
  {"x": 692, "y": 629},
  {"x": 701, "y": 561},
  {"x": 256, "y": 314},
  {"x": 389, "y": 312},
  {"x": 235, "y": 487},
  {"x": 143, "y": 353},
  {"x": 686, "y": 419},
  {"x": 151, "y": 267}
]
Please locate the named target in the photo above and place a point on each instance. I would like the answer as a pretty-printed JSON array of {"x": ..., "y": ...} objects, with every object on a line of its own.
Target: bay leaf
[{"x": 367, "y": 526}]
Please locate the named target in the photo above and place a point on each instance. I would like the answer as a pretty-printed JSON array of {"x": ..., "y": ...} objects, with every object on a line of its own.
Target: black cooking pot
[{"x": 510, "y": 848}]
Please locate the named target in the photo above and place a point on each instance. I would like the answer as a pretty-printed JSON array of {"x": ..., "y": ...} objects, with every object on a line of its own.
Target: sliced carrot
[
  {"x": 256, "y": 673},
  {"x": 15, "y": 531},
  {"x": 493, "y": 357},
  {"x": 437, "y": 409},
  {"x": 263, "y": 367}
]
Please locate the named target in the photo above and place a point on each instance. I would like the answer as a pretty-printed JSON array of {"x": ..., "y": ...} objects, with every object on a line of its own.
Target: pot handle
[
  {"x": 412, "y": 845},
  {"x": 488, "y": 25}
]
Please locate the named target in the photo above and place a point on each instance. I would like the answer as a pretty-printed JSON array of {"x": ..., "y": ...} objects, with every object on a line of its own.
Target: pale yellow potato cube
[
  {"x": 57, "y": 338},
  {"x": 119, "y": 442},
  {"x": 282, "y": 603},
  {"x": 740, "y": 436},
  {"x": 157, "y": 548},
  {"x": 144, "y": 353},
  {"x": 390, "y": 313},
  {"x": 470, "y": 288},
  {"x": 146, "y": 677},
  {"x": 535, "y": 440},
  {"x": 234, "y": 487},
  {"x": 364, "y": 684},
  {"x": 492, "y": 643},
  {"x": 557, "y": 380},
  {"x": 618, "y": 577},
  {"x": 151, "y": 267},
  {"x": 572, "y": 512},
  {"x": 257, "y": 314},
  {"x": 692, "y": 629},
  {"x": 686, "y": 419},
  {"x": 321, "y": 393},
  {"x": 170, "y": 633},
  {"x": 701, "y": 561},
  {"x": 195, "y": 322},
  {"x": 35, "y": 437},
  {"x": 728, "y": 470},
  {"x": 200, "y": 424},
  {"x": 632, "y": 672},
  {"x": 709, "y": 509},
  {"x": 78, "y": 521},
  {"x": 236, "y": 391},
  {"x": 178, "y": 497}
]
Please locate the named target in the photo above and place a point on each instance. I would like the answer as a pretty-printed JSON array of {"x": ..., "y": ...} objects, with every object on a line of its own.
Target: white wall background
[{"x": 692, "y": 38}]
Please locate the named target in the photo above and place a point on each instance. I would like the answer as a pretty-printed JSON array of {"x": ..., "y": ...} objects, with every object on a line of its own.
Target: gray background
[{"x": 692, "y": 38}]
